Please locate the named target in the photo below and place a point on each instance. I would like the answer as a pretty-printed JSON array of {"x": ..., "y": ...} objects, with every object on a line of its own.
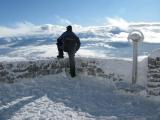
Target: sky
[{"x": 82, "y": 12}]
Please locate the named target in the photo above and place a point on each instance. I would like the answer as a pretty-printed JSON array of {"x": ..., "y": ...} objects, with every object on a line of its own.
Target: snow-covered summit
[{"x": 45, "y": 90}]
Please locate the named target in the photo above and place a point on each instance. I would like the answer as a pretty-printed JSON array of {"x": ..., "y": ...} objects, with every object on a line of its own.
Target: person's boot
[
  {"x": 60, "y": 56},
  {"x": 73, "y": 74},
  {"x": 60, "y": 52}
]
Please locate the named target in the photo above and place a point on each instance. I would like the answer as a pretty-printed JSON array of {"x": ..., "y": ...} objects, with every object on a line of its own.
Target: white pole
[
  {"x": 136, "y": 36},
  {"x": 135, "y": 63}
]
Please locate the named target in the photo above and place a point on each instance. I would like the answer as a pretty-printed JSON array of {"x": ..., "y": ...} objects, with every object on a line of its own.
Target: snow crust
[{"x": 59, "y": 97}]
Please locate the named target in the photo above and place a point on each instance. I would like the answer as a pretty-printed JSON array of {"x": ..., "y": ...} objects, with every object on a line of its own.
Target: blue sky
[{"x": 83, "y": 12}]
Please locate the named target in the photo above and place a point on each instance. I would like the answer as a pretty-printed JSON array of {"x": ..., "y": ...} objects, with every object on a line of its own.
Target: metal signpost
[{"x": 135, "y": 37}]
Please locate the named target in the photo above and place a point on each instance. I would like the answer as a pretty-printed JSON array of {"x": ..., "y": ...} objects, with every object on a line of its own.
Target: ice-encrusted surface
[
  {"x": 11, "y": 71},
  {"x": 59, "y": 97}
]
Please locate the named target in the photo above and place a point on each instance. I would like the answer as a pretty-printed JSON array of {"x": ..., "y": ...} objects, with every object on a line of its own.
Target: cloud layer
[{"x": 115, "y": 29}]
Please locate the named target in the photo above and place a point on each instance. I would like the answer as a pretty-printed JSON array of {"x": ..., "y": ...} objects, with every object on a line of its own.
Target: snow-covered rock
[
  {"x": 115, "y": 70},
  {"x": 154, "y": 73},
  {"x": 112, "y": 69},
  {"x": 11, "y": 71}
]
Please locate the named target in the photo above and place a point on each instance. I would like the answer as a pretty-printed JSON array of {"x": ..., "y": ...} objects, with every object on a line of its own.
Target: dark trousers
[
  {"x": 72, "y": 63},
  {"x": 71, "y": 55},
  {"x": 60, "y": 50}
]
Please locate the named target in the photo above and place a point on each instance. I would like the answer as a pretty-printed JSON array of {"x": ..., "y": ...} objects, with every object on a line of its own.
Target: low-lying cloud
[{"x": 115, "y": 29}]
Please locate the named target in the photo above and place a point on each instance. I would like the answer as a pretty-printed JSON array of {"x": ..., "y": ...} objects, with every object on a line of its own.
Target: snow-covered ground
[{"x": 59, "y": 97}]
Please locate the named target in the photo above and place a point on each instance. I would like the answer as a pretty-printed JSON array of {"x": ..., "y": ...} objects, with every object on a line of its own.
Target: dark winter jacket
[{"x": 63, "y": 41}]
